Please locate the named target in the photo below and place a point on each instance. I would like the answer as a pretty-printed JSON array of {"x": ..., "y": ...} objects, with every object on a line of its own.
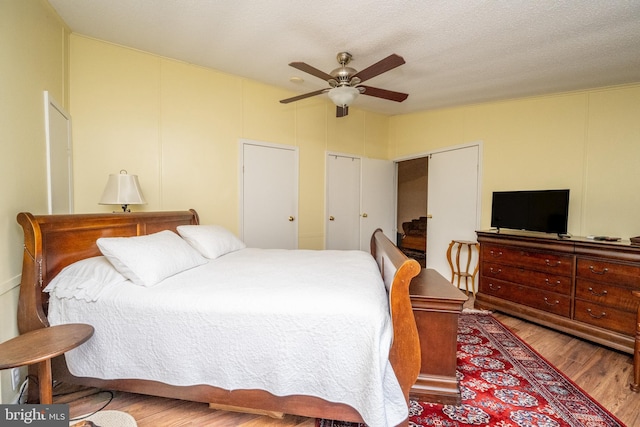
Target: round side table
[{"x": 40, "y": 346}]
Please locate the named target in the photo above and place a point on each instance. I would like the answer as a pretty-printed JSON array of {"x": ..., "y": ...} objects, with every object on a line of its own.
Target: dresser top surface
[
  {"x": 577, "y": 244},
  {"x": 431, "y": 285}
]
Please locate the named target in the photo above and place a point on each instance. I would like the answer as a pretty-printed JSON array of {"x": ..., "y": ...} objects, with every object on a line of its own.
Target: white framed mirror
[{"x": 59, "y": 157}]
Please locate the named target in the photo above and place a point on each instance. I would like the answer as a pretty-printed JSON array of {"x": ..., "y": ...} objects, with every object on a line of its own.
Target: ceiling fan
[{"x": 345, "y": 82}]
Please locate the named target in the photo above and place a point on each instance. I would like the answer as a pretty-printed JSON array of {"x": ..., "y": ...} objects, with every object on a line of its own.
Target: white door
[
  {"x": 453, "y": 202},
  {"x": 269, "y": 195},
  {"x": 343, "y": 202},
  {"x": 360, "y": 199},
  {"x": 378, "y": 189}
]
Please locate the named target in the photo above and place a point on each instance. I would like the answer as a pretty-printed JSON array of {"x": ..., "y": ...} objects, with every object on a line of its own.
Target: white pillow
[
  {"x": 212, "y": 241},
  {"x": 147, "y": 260},
  {"x": 85, "y": 279}
]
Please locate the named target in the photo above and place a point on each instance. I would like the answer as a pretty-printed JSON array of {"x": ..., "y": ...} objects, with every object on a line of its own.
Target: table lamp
[{"x": 122, "y": 189}]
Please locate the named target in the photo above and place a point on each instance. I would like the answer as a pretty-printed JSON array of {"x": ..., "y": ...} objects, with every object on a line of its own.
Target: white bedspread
[{"x": 290, "y": 322}]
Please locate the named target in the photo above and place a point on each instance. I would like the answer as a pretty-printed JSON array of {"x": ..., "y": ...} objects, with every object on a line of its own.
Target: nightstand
[{"x": 40, "y": 346}]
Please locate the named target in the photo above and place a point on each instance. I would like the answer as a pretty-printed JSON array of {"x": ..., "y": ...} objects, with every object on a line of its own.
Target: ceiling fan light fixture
[{"x": 343, "y": 96}]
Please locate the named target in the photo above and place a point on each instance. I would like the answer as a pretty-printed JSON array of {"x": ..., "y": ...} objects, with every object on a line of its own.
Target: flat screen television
[{"x": 539, "y": 210}]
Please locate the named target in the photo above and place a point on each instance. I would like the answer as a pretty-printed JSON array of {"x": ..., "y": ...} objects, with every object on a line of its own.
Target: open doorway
[
  {"x": 412, "y": 208},
  {"x": 438, "y": 201}
]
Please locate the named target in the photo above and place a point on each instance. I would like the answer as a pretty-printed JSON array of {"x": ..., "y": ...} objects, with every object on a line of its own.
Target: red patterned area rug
[{"x": 505, "y": 383}]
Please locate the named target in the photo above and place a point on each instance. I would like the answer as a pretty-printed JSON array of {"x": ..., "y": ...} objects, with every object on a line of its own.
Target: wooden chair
[{"x": 456, "y": 270}]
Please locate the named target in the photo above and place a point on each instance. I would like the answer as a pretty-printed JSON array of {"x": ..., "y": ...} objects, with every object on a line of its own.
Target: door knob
[
  {"x": 291, "y": 218},
  {"x": 331, "y": 218},
  {"x": 364, "y": 215}
]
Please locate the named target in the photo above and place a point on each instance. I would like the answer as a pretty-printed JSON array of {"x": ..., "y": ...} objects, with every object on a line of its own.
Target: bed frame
[{"x": 51, "y": 242}]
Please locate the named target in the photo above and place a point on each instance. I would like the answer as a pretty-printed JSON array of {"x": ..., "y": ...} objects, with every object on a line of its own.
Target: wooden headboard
[{"x": 51, "y": 242}]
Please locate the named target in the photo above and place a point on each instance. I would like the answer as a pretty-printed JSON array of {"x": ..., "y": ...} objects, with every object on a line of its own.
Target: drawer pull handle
[
  {"x": 494, "y": 287},
  {"x": 602, "y": 314},
  {"x": 546, "y": 301},
  {"x": 550, "y": 283},
  {"x": 552, "y": 264},
  {"x": 598, "y": 294},
  {"x": 495, "y": 254},
  {"x": 495, "y": 271},
  {"x": 594, "y": 271}
]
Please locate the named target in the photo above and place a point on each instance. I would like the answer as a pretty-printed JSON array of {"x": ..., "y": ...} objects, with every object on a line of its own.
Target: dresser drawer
[
  {"x": 609, "y": 272},
  {"x": 530, "y": 259},
  {"x": 537, "y": 279},
  {"x": 547, "y": 301},
  {"x": 500, "y": 289},
  {"x": 607, "y": 294},
  {"x": 605, "y": 317}
]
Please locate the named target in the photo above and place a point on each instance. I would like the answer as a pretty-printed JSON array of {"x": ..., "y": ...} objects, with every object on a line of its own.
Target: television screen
[{"x": 541, "y": 210}]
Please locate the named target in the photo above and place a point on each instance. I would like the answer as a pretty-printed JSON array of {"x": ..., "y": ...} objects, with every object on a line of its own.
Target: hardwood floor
[
  {"x": 602, "y": 373},
  {"x": 152, "y": 411}
]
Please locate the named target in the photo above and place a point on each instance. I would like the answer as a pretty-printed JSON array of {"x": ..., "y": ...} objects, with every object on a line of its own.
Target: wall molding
[{"x": 10, "y": 284}]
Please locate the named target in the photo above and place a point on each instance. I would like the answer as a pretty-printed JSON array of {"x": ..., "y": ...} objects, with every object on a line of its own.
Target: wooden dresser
[{"x": 576, "y": 285}]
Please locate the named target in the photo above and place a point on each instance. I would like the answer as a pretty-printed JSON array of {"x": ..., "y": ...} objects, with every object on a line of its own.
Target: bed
[{"x": 53, "y": 242}]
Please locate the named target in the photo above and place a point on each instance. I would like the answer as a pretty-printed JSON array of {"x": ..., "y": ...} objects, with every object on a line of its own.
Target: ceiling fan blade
[
  {"x": 342, "y": 111},
  {"x": 311, "y": 70},
  {"x": 303, "y": 96},
  {"x": 383, "y": 93},
  {"x": 390, "y": 62}
]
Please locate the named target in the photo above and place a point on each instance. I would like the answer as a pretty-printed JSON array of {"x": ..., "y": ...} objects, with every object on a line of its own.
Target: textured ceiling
[{"x": 456, "y": 51}]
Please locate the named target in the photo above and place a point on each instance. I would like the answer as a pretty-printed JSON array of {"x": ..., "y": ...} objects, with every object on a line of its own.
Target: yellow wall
[
  {"x": 586, "y": 141},
  {"x": 32, "y": 60},
  {"x": 177, "y": 127}
]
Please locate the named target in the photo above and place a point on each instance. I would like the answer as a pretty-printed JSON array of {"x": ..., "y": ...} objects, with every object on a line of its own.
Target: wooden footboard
[
  {"x": 397, "y": 271},
  {"x": 51, "y": 242}
]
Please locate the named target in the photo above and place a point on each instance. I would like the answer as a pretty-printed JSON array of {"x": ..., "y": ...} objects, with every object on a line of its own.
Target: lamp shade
[
  {"x": 343, "y": 96},
  {"x": 122, "y": 189}
]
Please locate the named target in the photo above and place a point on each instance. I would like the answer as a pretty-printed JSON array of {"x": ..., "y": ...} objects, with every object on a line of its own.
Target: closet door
[
  {"x": 269, "y": 195},
  {"x": 360, "y": 199},
  {"x": 342, "y": 202},
  {"x": 378, "y": 191}
]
